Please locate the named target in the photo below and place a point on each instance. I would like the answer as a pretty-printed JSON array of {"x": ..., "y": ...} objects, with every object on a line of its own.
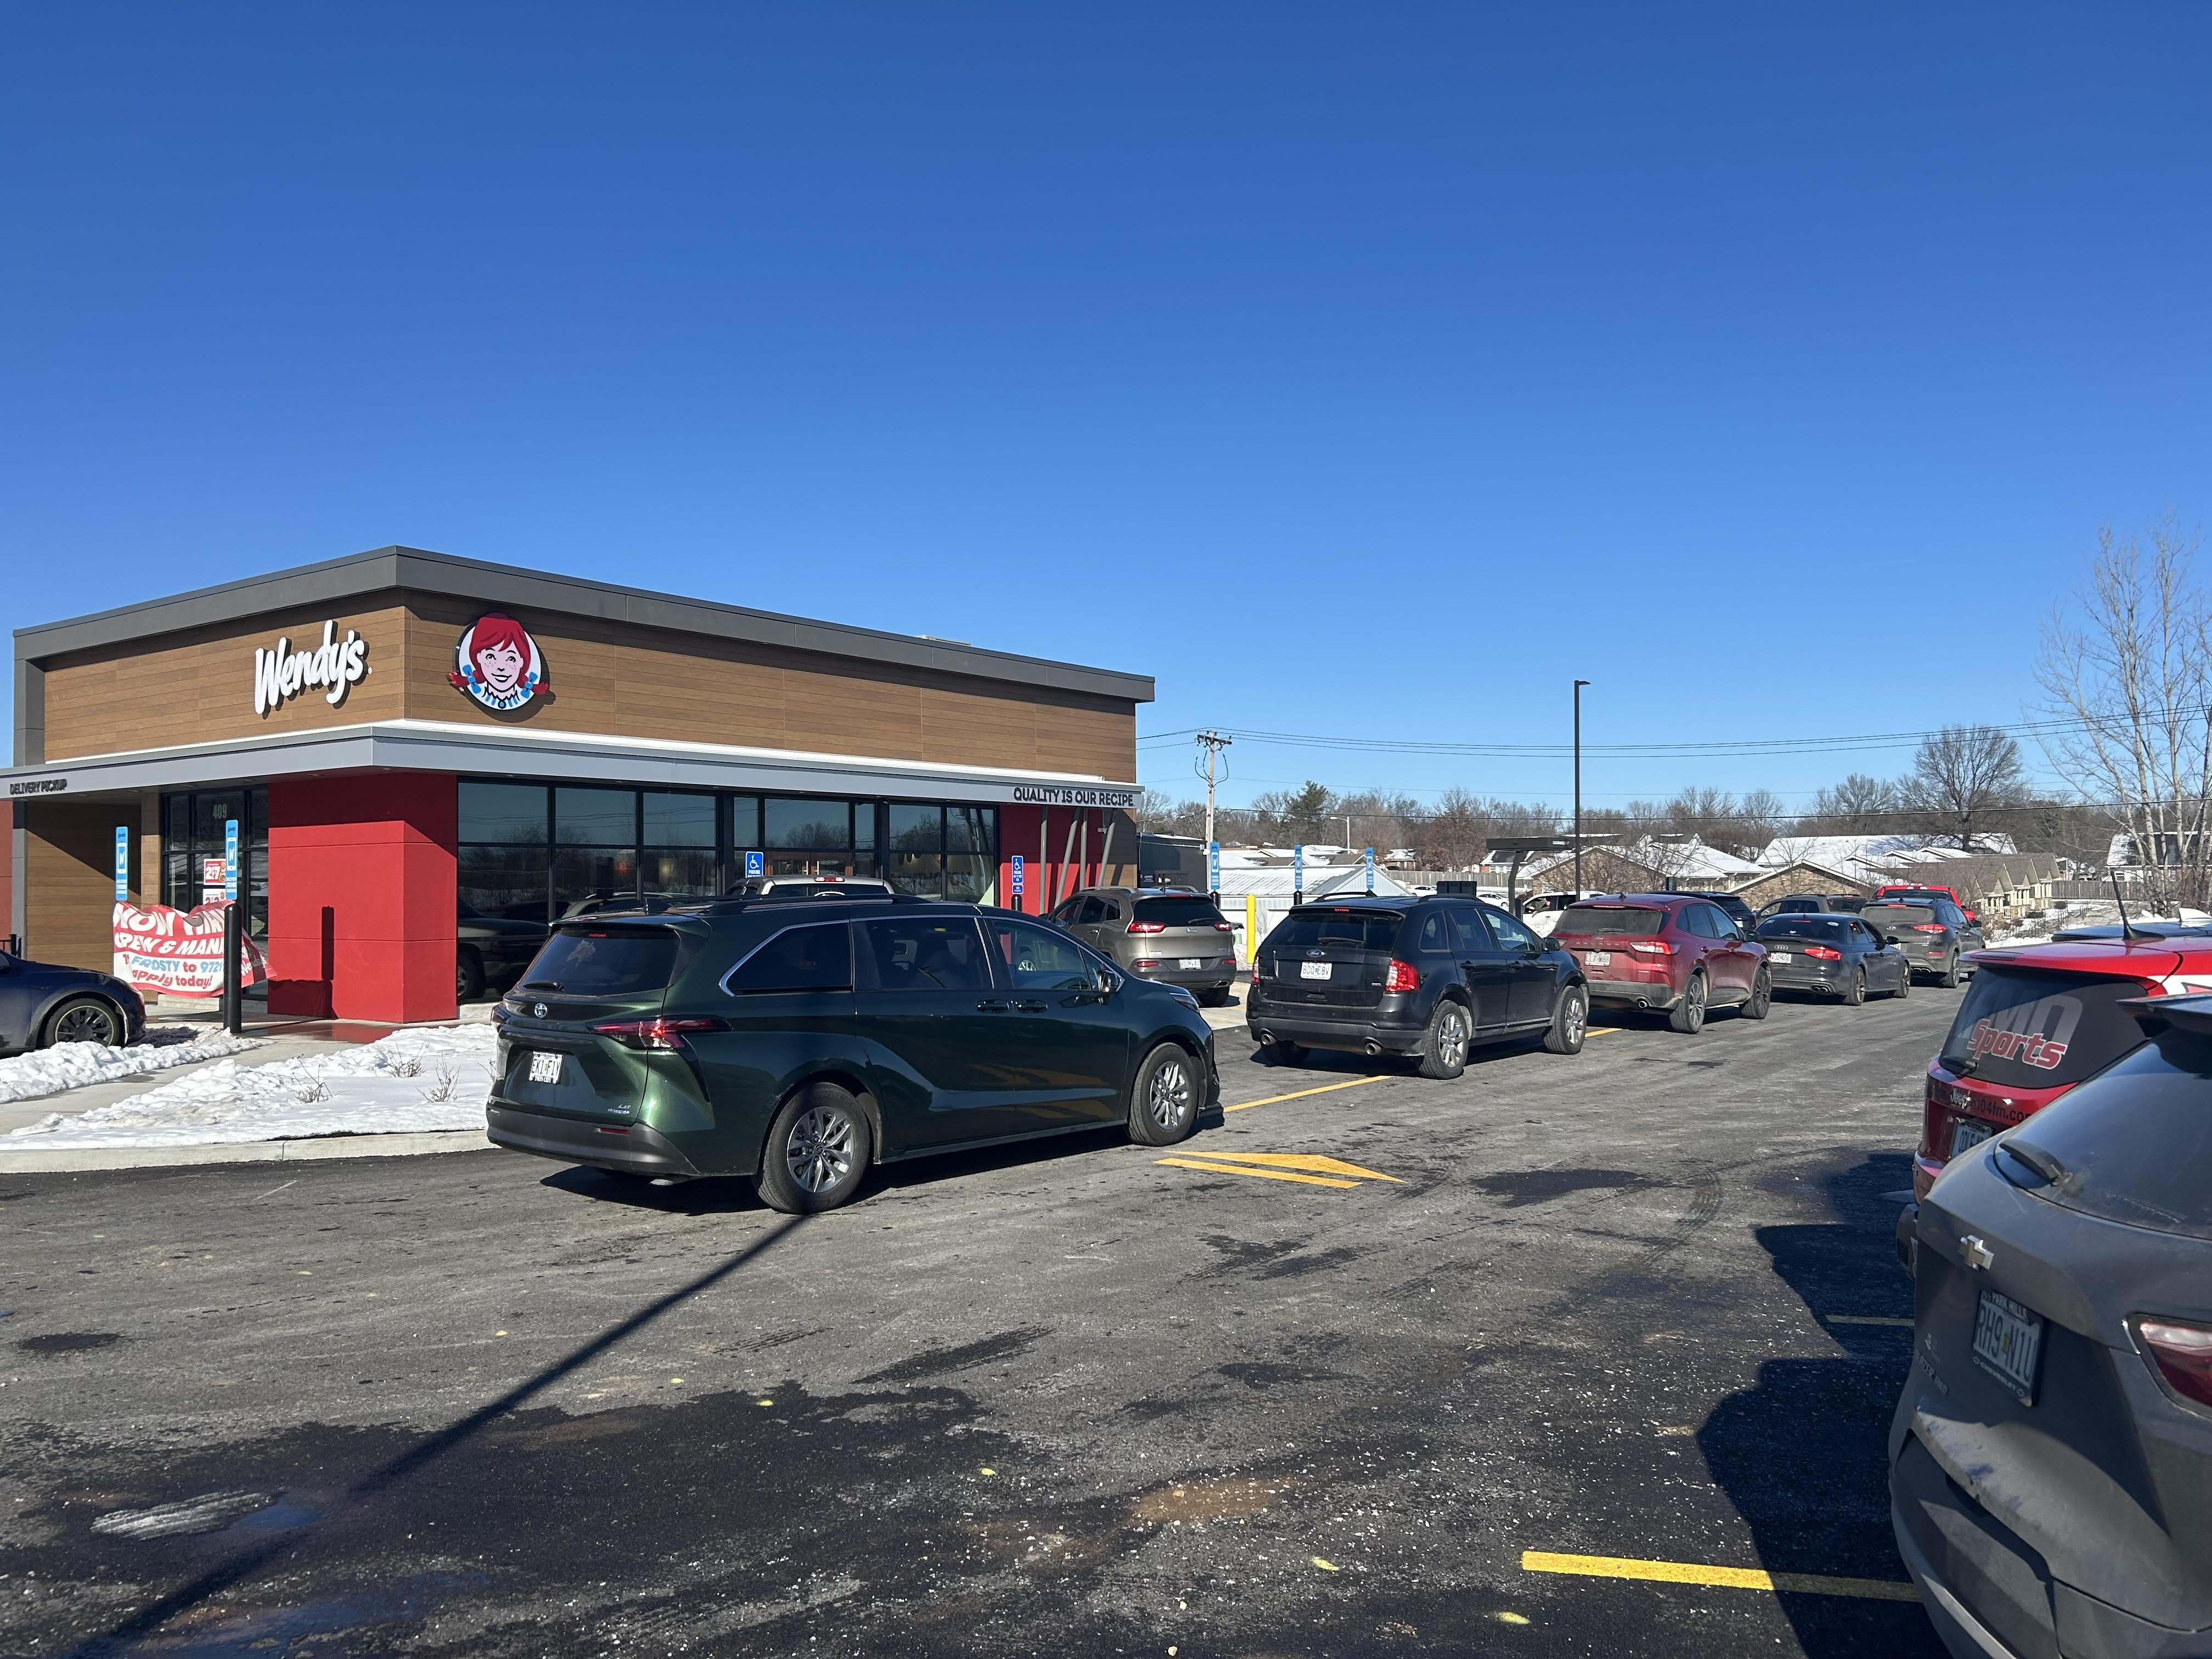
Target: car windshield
[
  {"x": 1178, "y": 911},
  {"x": 1812, "y": 927},
  {"x": 2135, "y": 1144},
  {"x": 2024, "y": 1030},
  {"x": 580, "y": 962},
  {"x": 1335, "y": 930},
  {"x": 1633, "y": 920}
]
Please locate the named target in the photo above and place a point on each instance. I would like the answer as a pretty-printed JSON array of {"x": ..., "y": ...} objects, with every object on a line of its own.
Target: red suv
[
  {"x": 2039, "y": 1019},
  {"x": 1675, "y": 951}
]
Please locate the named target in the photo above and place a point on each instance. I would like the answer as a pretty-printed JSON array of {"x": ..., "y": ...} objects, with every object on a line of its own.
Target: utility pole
[
  {"x": 1213, "y": 743},
  {"x": 1579, "y": 786}
]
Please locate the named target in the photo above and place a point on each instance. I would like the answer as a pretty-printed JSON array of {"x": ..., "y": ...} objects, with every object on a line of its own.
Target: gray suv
[{"x": 1164, "y": 933}]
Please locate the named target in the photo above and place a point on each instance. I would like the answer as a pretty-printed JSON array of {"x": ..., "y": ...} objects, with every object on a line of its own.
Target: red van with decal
[{"x": 2037, "y": 1020}]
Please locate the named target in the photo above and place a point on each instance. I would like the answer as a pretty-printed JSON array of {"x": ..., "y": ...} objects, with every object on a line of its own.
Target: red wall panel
[{"x": 362, "y": 896}]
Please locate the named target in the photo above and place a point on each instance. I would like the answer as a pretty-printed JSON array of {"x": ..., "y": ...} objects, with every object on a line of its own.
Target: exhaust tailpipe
[{"x": 1374, "y": 1049}]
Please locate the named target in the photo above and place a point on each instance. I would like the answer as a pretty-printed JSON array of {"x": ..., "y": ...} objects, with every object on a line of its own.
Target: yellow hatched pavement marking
[
  {"x": 1691, "y": 1572},
  {"x": 1245, "y": 1170},
  {"x": 1300, "y": 1094},
  {"x": 1312, "y": 1162}
]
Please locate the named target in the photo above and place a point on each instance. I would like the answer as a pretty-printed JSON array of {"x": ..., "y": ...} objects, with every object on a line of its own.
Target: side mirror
[{"x": 1107, "y": 981}]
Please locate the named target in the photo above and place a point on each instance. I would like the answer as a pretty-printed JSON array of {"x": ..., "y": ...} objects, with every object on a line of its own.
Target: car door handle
[
  {"x": 993, "y": 1007},
  {"x": 1029, "y": 1007}
]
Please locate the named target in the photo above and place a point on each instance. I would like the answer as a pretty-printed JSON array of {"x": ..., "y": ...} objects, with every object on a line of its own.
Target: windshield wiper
[{"x": 539, "y": 985}]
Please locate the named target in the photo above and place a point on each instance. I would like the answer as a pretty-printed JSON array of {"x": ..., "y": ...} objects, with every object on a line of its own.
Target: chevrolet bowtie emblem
[{"x": 1977, "y": 1253}]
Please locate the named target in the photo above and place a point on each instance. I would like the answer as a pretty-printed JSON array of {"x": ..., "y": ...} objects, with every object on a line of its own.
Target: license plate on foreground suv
[
  {"x": 2008, "y": 1341},
  {"x": 544, "y": 1067},
  {"x": 1313, "y": 970}
]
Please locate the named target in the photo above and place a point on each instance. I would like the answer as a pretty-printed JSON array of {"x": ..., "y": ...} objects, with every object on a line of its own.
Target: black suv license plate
[{"x": 2007, "y": 1343}]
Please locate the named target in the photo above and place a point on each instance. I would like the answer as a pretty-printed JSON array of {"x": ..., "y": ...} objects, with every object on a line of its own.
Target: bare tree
[
  {"x": 1859, "y": 805},
  {"x": 1962, "y": 775},
  {"x": 2127, "y": 668}
]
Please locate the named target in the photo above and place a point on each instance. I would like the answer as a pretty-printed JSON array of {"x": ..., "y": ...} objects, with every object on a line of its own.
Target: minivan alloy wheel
[{"x": 819, "y": 1149}]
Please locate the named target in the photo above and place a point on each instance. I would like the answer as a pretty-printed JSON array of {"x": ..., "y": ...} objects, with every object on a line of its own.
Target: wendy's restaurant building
[{"x": 374, "y": 755}]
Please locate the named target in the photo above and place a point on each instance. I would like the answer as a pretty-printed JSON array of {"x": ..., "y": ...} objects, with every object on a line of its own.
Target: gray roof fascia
[
  {"x": 429, "y": 746},
  {"x": 310, "y": 586}
]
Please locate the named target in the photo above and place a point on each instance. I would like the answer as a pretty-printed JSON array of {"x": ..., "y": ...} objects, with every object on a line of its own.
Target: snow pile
[
  {"x": 73, "y": 1064},
  {"x": 433, "y": 1077},
  {"x": 2091, "y": 913}
]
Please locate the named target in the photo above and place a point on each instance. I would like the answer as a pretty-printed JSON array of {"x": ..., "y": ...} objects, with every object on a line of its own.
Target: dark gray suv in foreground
[
  {"x": 1429, "y": 978},
  {"x": 1178, "y": 938},
  {"x": 2050, "y": 1459},
  {"x": 800, "y": 1041}
]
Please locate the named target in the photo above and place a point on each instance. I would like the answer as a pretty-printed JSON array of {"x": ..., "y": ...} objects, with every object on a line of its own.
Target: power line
[{"x": 1717, "y": 747}]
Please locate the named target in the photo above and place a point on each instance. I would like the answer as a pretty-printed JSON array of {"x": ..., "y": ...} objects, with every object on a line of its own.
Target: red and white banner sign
[{"x": 178, "y": 952}]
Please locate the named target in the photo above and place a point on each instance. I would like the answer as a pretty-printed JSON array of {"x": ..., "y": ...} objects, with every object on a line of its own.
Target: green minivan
[{"x": 799, "y": 1040}]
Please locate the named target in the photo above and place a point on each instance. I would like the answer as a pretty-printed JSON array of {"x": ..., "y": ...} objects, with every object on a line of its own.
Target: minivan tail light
[
  {"x": 1148, "y": 927},
  {"x": 1403, "y": 977},
  {"x": 1652, "y": 947},
  {"x": 659, "y": 1032},
  {"x": 2182, "y": 1354}
]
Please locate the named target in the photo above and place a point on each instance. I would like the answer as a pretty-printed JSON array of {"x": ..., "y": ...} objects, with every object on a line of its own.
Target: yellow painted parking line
[
  {"x": 1300, "y": 1094},
  {"x": 1867, "y": 1319},
  {"x": 1691, "y": 1572},
  {"x": 1247, "y": 1169},
  {"x": 1311, "y": 1163}
]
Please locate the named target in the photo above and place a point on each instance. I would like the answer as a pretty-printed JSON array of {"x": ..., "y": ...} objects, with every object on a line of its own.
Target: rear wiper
[
  {"x": 2037, "y": 1160},
  {"x": 539, "y": 985}
]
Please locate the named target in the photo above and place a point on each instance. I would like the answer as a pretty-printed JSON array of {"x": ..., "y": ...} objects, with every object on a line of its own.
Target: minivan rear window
[
  {"x": 1335, "y": 930},
  {"x": 1178, "y": 911},
  {"x": 2023, "y": 1029},
  {"x": 1633, "y": 920},
  {"x": 2133, "y": 1145},
  {"x": 604, "y": 962}
]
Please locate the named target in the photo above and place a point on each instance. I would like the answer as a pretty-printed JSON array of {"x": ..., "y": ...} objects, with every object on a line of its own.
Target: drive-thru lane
[{"x": 1354, "y": 1370}]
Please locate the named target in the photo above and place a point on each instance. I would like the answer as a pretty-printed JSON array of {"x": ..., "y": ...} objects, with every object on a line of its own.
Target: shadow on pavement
[
  {"x": 1802, "y": 1454},
  {"x": 219, "y": 1579}
]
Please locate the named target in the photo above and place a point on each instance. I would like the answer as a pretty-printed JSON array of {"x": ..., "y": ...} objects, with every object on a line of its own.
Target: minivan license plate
[
  {"x": 2008, "y": 1341},
  {"x": 544, "y": 1067},
  {"x": 1313, "y": 970}
]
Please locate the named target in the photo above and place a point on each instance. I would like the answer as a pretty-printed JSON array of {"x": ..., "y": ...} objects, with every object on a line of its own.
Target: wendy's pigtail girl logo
[{"x": 497, "y": 663}]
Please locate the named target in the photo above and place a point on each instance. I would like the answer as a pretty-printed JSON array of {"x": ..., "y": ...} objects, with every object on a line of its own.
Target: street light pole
[{"x": 1579, "y": 786}]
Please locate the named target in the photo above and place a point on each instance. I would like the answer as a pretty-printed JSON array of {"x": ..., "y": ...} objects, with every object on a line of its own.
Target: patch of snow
[
  {"x": 429, "y": 1077},
  {"x": 73, "y": 1064}
]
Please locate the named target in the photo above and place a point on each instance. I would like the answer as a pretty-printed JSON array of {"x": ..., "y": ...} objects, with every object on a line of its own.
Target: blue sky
[{"x": 1369, "y": 372}]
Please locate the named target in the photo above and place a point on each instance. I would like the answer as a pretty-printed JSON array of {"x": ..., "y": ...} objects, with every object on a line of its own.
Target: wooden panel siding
[
  {"x": 606, "y": 678},
  {"x": 611, "y": 678},
  {"x": 197, "y": 687},
  {"x": 69, "y": 885}
]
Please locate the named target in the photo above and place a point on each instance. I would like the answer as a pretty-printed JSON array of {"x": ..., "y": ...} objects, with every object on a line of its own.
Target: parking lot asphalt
[{"x": 1349, "y": 1372}]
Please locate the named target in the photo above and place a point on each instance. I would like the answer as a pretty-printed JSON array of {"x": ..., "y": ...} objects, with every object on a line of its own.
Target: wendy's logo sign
[{"x": 497, "y": 663}]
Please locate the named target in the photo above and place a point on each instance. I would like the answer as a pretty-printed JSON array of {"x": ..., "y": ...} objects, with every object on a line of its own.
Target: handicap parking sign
[
  {"x": 1018, "y": 875},
  {"x": 756, "y": 864}
]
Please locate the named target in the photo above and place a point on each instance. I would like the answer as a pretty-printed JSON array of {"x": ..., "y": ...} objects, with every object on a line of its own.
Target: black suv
[
  {"x": 799, "y": 1040},
  {"x": 1428, "y": 978}
]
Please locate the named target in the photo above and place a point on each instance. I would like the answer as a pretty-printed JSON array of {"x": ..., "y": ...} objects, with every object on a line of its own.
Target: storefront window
[
  {"x": 536, "y": 852},
  {"x": 504, "y": 865}
]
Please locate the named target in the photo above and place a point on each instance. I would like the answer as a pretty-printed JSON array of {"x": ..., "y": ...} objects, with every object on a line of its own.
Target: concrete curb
[{"x": 50, "y": 1160}]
